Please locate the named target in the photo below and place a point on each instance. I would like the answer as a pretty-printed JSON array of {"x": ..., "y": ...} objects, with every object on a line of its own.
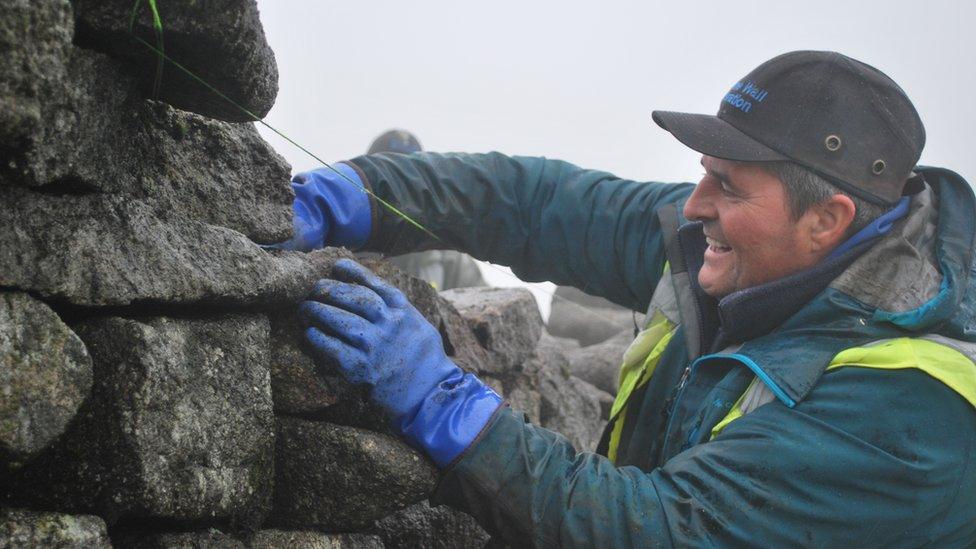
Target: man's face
[{"x": 752, "y": 237}]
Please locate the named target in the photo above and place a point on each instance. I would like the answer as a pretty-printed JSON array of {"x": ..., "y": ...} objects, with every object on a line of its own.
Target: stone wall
[{"x": 154, "y": 390}]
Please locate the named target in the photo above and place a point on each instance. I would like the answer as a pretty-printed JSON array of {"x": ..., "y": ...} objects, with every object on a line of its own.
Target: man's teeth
[{"x": 717, "y": 244}]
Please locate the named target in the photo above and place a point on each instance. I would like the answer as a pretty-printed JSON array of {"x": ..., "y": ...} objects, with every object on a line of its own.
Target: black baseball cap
[
  {"x": 396, "y": 141},
  {"x": 841, "y": 118}
]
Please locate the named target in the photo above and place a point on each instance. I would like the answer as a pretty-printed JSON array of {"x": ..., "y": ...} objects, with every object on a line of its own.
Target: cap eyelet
[
  {"x": 878, "y": 167},
  {"x": 832, "y": 142}
]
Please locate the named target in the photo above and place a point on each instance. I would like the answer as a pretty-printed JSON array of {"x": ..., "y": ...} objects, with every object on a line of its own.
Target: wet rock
[
  {"x": 339, "y": 478},
  {"x": 35, "y": 37},
  {"x": 45, "y": 375},
  {"x": 297, "y": 385},
  {"x": 179, "y": 426},
  {"x": 599, "y": 364},
  {"x": 273, "y": 539},
  {"x": 586, "y": 318},
  {"x": 221, "y": 42},
  {"x": 96, "y": 134},
  {"x": 506, "y": 321},
  {"x": 24, "y": 528},
  {"x": 107, "y": 250},
  {"x": 423, "y": 526}
]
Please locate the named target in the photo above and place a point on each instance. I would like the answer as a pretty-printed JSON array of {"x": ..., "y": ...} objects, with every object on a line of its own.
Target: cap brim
[{"x": 710, "y": 135}]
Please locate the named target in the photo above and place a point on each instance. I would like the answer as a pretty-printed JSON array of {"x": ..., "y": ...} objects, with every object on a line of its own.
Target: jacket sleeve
[
  {"x": 546, "y": 219},
  {"x": 822, "y": 474}
]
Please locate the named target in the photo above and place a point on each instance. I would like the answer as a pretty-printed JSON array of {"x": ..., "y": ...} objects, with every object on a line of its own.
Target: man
[
  {"x": 442, "y": 269},
  {"x": 805, "y": 376}
]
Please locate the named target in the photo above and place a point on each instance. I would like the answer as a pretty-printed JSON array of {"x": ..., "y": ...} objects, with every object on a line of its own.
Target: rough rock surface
[
  {"x": 100, "y": 250},
  {"x": 274, "y": 539},
  {"x": 201, "y": 539},
  {"x": 35, "y": 38},
  {"x": 568, "y": 405},
  {"x": 213, "y": 538},
  {"x": 599, "y": 364},
  {"x": 45, "y": 375},
  {"x": 586, "y": 318},
  {"x": 95, "y": 134},
  {"x": 506, "y": 321},
  {"x": 24, "y": 528},
  {"x": 221, "y": 41},
  {"x": 339, "y": 478},
  {"x": 180, "y": 425},
  {"x": 423, "y": 526}
]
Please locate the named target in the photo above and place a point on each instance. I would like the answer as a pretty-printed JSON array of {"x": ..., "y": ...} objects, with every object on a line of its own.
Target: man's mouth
[{"x": 717, "y": 246}]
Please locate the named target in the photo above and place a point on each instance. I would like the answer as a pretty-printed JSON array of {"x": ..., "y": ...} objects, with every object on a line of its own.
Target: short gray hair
[{"x": 805, "y": 188}]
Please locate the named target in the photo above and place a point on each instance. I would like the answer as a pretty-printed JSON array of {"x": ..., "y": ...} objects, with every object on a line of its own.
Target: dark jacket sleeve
[
  {"x": 829, "y": 473},
  {"x": 546, "y": 219}
]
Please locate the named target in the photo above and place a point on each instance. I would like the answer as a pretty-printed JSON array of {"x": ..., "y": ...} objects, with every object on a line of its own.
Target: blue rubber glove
[
  {"x": 376, "y": 337},
  {"x": 329, "y": 210}
]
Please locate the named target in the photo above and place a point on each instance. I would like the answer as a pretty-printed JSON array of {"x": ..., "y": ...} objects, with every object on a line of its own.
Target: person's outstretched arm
[{"x": 547, "y": 219}]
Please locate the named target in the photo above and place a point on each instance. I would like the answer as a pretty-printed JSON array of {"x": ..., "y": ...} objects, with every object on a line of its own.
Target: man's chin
[{"x": 715, "y": 286}]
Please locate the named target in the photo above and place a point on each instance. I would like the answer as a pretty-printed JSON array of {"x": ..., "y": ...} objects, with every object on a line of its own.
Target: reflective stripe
[
  {"x": 657, "y": 336},
  {"x": 641, "y": 357},
  {"x": 954, "y": 369},
  {"x": 942, "y": 362}
]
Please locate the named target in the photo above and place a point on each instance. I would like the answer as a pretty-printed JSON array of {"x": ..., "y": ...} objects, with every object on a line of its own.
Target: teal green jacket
[{"x": 832, "y": 408}]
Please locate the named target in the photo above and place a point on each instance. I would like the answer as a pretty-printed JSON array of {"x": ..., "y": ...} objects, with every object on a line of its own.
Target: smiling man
[{"x": 805, "y": 376}]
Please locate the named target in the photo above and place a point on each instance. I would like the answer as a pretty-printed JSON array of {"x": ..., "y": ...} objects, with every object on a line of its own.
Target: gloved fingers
[
  {"x": 351, "y": 297},
  {"x": 326, "y": 348},
  {"x": 350, "y": 328},
  {"x": 349, "y": 271}
]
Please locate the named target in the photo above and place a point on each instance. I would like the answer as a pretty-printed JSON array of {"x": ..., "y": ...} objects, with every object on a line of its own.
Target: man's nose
[{"x": 699, "y": 206}]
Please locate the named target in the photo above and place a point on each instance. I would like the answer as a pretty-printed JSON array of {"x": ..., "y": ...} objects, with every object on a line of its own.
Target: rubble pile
[{"x": 154, "y": 390}]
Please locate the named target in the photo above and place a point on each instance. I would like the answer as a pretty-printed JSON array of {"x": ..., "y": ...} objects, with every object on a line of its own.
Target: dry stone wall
[{"x": 154, "y": 387}]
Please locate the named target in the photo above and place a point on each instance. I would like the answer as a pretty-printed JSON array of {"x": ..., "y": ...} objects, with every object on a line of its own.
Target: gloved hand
[
  {"x": 329, "y": 210},
  {"x": 376, "y": 337}
]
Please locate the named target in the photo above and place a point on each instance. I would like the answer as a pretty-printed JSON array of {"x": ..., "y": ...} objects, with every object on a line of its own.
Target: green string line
[{"x": 258, "y": 119}]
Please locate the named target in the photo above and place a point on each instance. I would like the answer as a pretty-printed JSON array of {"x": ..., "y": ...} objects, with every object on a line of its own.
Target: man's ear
[{"x": 829, "y": 221}]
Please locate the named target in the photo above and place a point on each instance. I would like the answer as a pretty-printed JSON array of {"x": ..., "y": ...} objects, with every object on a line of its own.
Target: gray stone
[
  {"x": 339, "y": 478},
  {"x": 24, "y": 528},
  {"x": 599, "y": 364},
  {"x": 297, "y": 385},
  {"x": 45, "y": 375},
  {"x": 107, "y": 250},
  {"x": 586, "y": 318},
  {"x": 180, "y": 425},
  {"x": 95, "y": 134},
  {"x": 569, "y": 405},
  {"x": 221, "y": 42},
  {"x": 506, "y": 321},
  {"x": 273, "y": 539},
  {"x": 423, "y": 526},
  {"x": 35, "y": 37},
  {"x": 202, "y": 539}
]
